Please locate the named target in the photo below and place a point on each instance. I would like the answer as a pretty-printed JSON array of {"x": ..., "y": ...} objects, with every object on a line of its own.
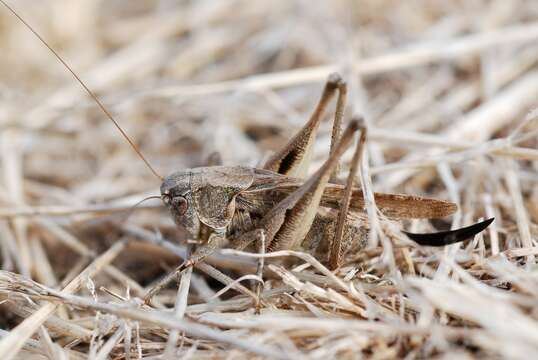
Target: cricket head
[
  {"x": 177, "y": 197},
  {"x": 204, "y": 195}
]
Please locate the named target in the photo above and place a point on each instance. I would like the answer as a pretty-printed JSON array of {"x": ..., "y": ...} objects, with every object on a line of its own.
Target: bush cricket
[{"x": 237, "y": 206}]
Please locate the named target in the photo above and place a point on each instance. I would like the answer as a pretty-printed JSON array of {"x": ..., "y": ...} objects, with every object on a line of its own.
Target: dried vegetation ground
[{"x": 447, "y": 89}]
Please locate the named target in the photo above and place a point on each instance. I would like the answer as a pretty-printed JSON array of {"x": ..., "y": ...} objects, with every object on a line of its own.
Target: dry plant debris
[{"x": 448, "y": 89}]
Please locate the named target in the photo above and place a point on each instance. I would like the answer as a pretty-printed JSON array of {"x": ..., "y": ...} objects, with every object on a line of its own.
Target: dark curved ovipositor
[{"x": 443, "y": 238}]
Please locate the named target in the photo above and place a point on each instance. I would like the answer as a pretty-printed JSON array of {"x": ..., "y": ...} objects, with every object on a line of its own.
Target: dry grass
[{"x": 447, "y": 89}]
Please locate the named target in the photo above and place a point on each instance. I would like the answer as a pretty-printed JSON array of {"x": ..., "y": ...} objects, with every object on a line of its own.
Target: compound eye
[{"x": 180, "y": 204}]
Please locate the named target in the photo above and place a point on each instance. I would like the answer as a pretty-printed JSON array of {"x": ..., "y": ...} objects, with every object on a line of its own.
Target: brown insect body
[
  {"x": 226, "y": 205},
  {"x": 233, "y": 199}
]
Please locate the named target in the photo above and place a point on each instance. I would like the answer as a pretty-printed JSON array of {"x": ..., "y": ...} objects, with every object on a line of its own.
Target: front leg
[{"x": 216, "y": 240}]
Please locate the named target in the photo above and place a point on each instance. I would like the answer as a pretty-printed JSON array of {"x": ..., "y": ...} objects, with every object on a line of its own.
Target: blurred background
[
  {"x": 188, "y": 77},
  {"x": 448, "y": 91}
]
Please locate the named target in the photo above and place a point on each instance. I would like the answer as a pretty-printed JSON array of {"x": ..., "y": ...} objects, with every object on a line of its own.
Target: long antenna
[
  {"x": 92, "y": 95},
  {"x": 133, "y": 208}
]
